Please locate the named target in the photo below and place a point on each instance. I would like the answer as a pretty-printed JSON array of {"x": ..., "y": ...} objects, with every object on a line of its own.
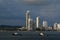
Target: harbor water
[{"x": 29, "y": 35}]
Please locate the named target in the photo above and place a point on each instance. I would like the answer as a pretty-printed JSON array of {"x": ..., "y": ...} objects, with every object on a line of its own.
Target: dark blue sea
[{"x": 49, "y": 35}]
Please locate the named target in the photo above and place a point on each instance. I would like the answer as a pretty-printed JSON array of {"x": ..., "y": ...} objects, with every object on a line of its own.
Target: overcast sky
[{"x": 12, "y": 12}]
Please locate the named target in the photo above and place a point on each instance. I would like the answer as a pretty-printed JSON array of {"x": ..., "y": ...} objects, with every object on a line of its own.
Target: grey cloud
[
  {"x": 49, "y": 12},
  {"x": 11, "y": 22},
  {"x": 36, "y": 2},
  {"x": 10, "y": 8}
]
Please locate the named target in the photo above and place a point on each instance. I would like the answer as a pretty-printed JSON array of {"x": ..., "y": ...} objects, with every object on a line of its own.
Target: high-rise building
[
  {"x": 30, "y": 23},
  {"x": 45, "y": 25},
  {"x": 27, "y": 17},
  {"x": 37, "y": 22},
  {"x": 55, "y": 26},
  {"x": 58, "y": 27}
]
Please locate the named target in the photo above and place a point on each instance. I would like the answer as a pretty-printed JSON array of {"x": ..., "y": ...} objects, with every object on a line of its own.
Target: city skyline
[{"x": 12, "y": 12}]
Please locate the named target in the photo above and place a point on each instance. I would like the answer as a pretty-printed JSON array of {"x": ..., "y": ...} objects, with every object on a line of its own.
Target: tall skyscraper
[
  {"x": 37, "y": 22},
  {"x": 58, "y": 27},
  {"x": 27, "y": 17},
  {"x": 45, "y": 25},
  {"x": 30, "y": 23},
  {"x": 55, "y": 26}
]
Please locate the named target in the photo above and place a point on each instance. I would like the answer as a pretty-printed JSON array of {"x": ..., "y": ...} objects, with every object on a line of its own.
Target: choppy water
[{"x": 30, "y": 36}]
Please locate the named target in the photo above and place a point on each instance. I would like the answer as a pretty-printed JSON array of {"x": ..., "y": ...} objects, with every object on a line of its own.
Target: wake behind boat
[
  {"x": 16, "y": 34},
  {"x": 28, "y": 34}
]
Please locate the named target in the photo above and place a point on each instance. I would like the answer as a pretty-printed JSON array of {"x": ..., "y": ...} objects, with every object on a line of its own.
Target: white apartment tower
[
  {"x": 58, "y": 27},
  {"x": 37, "y": 22},
  {"x": 45, "y": 25},
  {"x": 27, "y": 18},
  {"x": 55, "y": 26},
  {"x": 30, "y": 24}
]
